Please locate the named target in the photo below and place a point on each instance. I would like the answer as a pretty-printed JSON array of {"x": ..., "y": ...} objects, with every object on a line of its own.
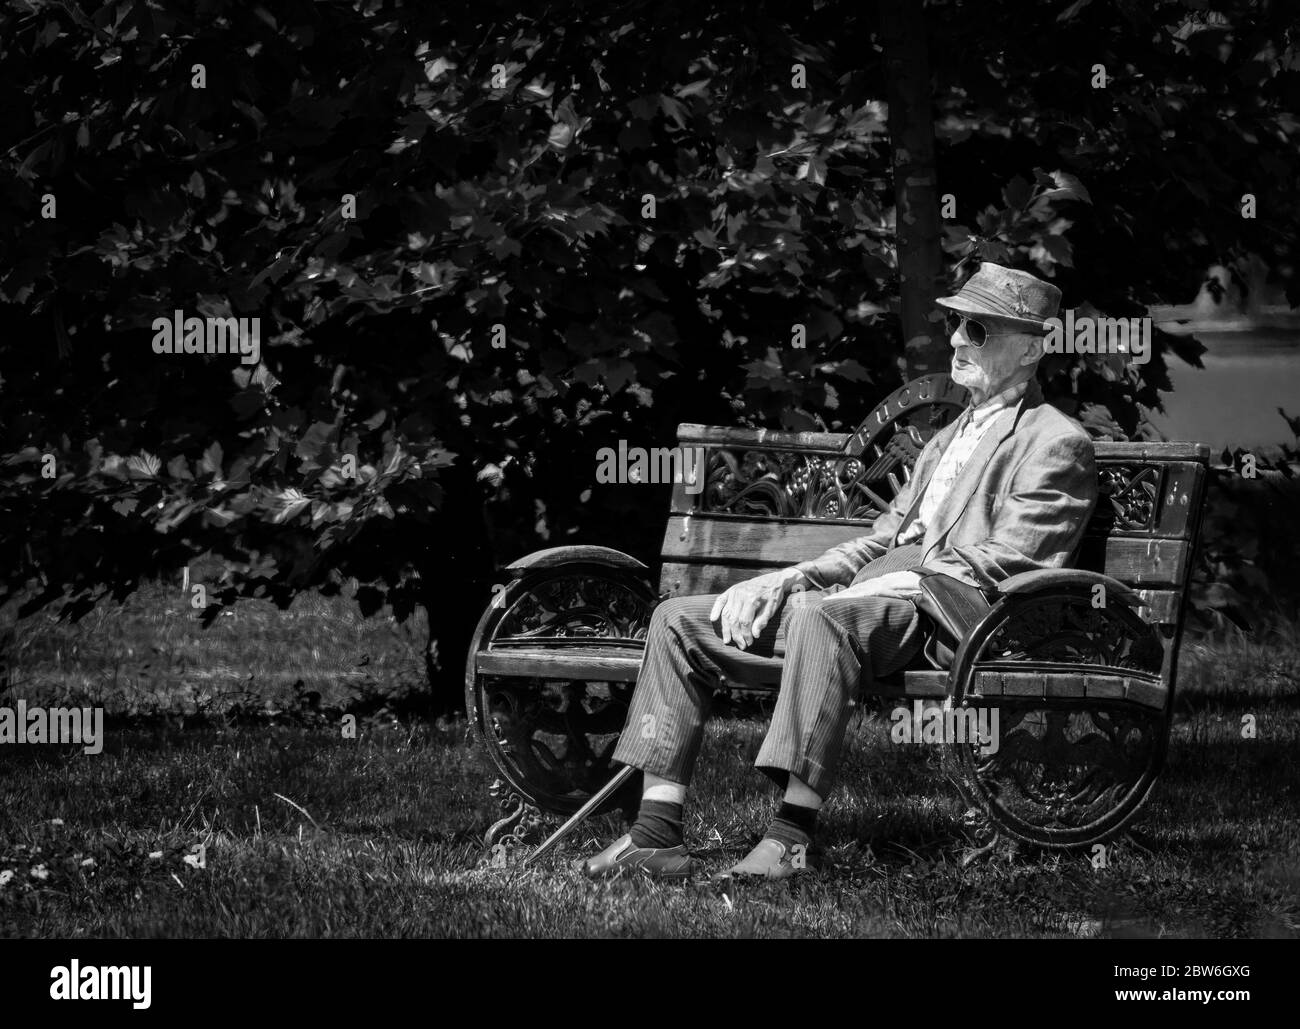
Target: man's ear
[{"x": 1033, "y": 350}]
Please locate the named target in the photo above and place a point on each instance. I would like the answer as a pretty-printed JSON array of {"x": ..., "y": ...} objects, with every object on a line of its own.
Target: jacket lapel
[
  {"x": 925, "y": 466},
  {"x": 972, "y": 472}
]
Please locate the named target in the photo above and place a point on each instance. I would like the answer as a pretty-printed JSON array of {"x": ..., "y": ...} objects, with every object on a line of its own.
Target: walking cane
[{"x": 580, "y": 816}]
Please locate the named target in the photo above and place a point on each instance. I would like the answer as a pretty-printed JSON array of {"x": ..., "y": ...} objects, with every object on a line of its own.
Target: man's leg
[
  {"x": 835, "y": 649},
  {"x": 685, "y": 660}
]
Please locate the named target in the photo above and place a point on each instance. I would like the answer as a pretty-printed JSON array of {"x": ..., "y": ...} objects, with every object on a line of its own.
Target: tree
[
  {"x": 916, "y": 200},
  {"x": 485, "y": 243}
]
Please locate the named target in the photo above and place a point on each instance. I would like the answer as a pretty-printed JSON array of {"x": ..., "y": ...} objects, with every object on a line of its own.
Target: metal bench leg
[{"x": 581, "y": 815}]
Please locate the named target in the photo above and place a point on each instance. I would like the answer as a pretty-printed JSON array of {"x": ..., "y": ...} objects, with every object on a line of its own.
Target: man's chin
[{"x": 965, "y": 374}]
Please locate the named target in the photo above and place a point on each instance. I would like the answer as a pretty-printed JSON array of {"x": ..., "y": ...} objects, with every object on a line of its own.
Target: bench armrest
[
  {"x": 1049, "y": 578},
  {"x": 553, "y": 557}
]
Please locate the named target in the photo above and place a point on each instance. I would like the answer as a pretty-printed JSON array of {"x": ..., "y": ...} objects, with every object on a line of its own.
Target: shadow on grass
[{"x": 226, "y": 809}]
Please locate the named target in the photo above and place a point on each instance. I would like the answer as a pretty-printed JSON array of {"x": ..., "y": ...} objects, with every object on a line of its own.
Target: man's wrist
[{"x": 795, "y": 577}]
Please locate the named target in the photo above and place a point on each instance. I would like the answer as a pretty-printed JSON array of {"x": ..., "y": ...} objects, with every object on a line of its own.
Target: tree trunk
[
  {"x": 457, "y": 571},
  {"x": 911, "y": 133}
]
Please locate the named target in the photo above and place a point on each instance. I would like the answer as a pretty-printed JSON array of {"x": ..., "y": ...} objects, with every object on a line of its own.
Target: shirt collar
[
  {"x": 998, "y": 402},
  {"x": 978, "y": 416}
]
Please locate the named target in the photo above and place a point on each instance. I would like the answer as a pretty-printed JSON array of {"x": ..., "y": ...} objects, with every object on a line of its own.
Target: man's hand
[
  {"x": 902, "y": 585},
  {"x": 745, "y": 609}
]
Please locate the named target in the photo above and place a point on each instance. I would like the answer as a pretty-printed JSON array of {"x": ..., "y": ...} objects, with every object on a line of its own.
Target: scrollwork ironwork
[
  {"x": 558, "y": 736},
  {"x": 520, "y": 817},
  {"x": 762, "y": 483},
  {"x": 1072, "y": 630},
  {"x": 779, "y": 484},
  {"x": 1057, "y": 770},
  {"x": 1128, "y": 497},
  {"x": 854, "y": 484},
  {"x": 577, "y": 607}
]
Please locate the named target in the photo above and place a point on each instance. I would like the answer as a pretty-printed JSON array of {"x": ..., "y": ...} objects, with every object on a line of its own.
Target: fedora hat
[{"x": 1013, "y": 297}]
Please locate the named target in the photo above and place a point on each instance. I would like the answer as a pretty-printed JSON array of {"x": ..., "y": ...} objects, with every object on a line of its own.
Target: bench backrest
[{"x": 771, "y": 499}]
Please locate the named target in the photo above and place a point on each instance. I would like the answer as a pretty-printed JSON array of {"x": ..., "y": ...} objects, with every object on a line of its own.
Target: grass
[
  {"x": 151, "y": 655},
  {"x": 307, "y": 833}
]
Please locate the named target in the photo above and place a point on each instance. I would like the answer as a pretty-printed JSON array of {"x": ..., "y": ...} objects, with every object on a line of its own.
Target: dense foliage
[{"x": 645, "y": 198}]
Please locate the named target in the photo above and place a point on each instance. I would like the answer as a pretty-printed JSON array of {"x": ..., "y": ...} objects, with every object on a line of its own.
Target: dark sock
[
  {"x": 793, "y": 825},
  {"x": 658, "y": 824}
]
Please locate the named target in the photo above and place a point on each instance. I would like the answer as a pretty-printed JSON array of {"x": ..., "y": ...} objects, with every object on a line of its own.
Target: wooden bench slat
[
  {"x": 1137, "y": 562},
  {"x": 594, "y": 663},
  {"x": 1008, "y": 681},
  {"x": 742, "y": 543},
  {"x": 679, "y": 579},
  {"x": 1151, "y": 450},
  {"x": 923, "y": 683},
  {"x": 746, "y": 541},
  {"x": 1162, "y": 606},
  {"x": 692, "y": 434}
]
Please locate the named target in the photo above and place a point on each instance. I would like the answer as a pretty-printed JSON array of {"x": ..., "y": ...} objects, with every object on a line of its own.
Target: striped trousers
[{"x": 823, "y": 651}]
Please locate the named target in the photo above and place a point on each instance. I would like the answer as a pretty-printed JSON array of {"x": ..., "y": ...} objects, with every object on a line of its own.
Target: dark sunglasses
[{"x": 977, "y": 332}]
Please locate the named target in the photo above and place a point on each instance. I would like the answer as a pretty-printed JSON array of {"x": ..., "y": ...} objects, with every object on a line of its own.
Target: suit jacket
[{"x": 1021, "y": 502}]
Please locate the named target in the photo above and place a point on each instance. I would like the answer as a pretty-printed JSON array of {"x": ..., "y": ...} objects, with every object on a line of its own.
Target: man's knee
[
  {"x": 677, "y": 619},
  {"x": 853, "y": 618},
  {"x": 810, "y": 621},
  {"x": 853, "y": 611},
  {"x": 673, "y": 613}
]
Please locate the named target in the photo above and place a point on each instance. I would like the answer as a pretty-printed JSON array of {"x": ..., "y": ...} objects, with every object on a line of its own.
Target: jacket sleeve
[
  {"x": 840, "y": 564},
  {"x": 1041, "y": 521}
]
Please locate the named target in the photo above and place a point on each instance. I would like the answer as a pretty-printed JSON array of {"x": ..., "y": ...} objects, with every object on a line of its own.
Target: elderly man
[{"x": 1007, "y": 488}]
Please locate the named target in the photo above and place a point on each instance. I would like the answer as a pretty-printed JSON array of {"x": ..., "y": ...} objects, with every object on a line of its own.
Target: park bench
[{"x": 1082, "y": 677}]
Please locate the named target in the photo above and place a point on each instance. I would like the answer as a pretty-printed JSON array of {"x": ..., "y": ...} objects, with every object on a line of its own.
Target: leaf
[
  {"x": 851, "y": 370},
  {"x": 314, "y": 442},
  {"x": 1017, "y": 192},
  {"x": 814, "y": 170},
  {"x": 290, "y": 502},
  {"x": 210, "y": 462},
  {"x": 247, "y": 403},
  {"x": 697, "y": 88},
  {"x": 1068, "y": 187},
  {"x": 1060, "y": 249},
  {"x": 619, "y": 373},
  {"x": 1292, "y": 423},
  {"x": 144, "y": 466},
  {"x": 824, "y": 325},
  {"x": 217, "y": 517},
  {"x": 674, "y": 109},
  {"x": 1073, "y": 10},
  {"x": 435, "y": 69}
]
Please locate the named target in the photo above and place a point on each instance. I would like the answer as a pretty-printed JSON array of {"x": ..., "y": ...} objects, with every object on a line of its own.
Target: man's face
[{"x": 991, "y": 368}]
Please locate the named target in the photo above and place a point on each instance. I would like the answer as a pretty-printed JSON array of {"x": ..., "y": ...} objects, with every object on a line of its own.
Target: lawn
[{"x": 228, "y": 802}]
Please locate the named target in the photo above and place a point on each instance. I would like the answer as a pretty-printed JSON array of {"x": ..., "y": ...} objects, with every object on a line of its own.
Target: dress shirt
[{"x": 971, "y": 427}]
